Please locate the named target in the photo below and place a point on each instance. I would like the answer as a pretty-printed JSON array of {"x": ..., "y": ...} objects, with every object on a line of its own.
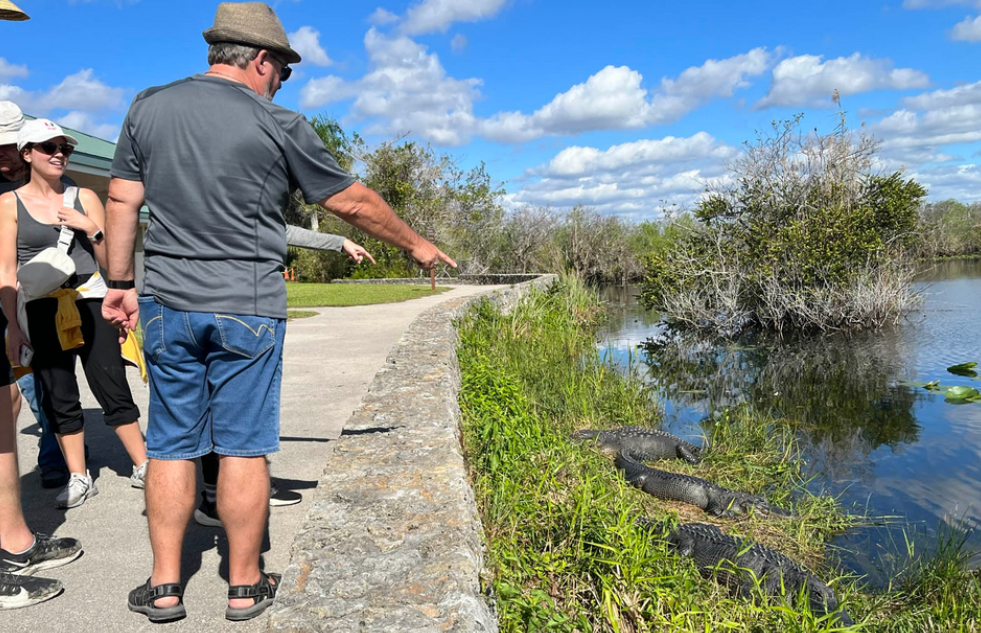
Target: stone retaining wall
[
  {"x": 465, "y": 280},
  {"x": 393, "y": 541}
]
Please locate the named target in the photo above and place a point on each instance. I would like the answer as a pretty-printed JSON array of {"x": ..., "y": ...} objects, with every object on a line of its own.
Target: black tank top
[{"x": 33, "y": 237}]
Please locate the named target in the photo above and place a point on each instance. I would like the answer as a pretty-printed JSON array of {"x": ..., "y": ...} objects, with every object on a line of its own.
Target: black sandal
[
  {"x": 143, "y": 599},
  {"x": 263, "y": 593}
]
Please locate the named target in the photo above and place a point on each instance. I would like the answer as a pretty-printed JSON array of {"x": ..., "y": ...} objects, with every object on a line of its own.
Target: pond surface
[{"x": 893, "y": 452}]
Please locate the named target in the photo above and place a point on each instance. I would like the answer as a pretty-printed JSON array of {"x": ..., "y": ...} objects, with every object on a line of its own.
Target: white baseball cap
[
  {"x": 41, "y": 130},
  {"x": 11, "y": 120}
]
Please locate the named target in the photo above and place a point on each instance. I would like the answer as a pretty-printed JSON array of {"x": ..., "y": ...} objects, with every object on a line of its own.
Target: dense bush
[
  {"x": 803, "y": 236},
  {"x": 950, "y": 229}
]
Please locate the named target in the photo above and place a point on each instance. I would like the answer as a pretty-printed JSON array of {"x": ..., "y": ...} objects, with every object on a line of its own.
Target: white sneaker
[
  {"x": 79, "y": 488},
  {"x": 138, "y": 478}
]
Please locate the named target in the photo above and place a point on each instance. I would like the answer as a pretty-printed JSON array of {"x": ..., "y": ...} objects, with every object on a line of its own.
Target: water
[{"x": 888, "y": 450}]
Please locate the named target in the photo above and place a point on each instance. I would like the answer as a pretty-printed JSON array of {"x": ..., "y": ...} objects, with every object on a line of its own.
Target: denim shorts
[{"x": 214, "y": 382}]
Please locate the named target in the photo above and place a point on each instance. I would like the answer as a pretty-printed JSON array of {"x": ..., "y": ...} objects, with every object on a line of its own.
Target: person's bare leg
[
  {"x": 73, "y": 448},
  {"x": 132, "y": 438},
  {"x": 170, "y": 488},
  {"x": 15, "y": 536},
  {"x": 243, "y": 504}
]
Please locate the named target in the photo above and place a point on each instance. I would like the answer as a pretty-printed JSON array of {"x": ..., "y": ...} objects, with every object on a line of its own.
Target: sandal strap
[
  {"x": 166, "y": 591},
  {"x": 261, "y": 590}
]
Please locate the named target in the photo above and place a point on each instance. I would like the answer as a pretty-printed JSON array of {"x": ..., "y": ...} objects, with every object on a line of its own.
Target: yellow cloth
[
  {"x": 68, "y": 321},
  {"x": 133, "y": 354},
  {"x": 69, "y": 324}
]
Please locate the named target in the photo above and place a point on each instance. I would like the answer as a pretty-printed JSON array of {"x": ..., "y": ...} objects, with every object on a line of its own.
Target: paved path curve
[{"x": 330, "y": 360}]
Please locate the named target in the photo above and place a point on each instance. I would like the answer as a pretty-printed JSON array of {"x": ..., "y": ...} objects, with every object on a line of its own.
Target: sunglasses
[
  {"x": 49, "y": 148},
  {"x": 286, "y": 72}
]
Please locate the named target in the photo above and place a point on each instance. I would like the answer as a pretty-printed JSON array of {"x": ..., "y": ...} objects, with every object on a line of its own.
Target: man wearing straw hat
[
  {"x": 10, "y": 11},
  {"x": 216, "y": 162}
]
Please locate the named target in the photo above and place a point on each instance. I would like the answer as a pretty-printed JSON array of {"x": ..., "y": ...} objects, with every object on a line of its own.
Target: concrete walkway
[{"x": 330, "y": 360}]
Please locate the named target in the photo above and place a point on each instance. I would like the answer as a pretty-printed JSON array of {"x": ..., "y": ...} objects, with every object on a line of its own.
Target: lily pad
[
  {"x": 962, "y": 394},
  {"x": 964, "y": 369}
]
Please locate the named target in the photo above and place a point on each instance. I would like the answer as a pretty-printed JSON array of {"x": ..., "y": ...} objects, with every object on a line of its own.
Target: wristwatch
[
  {"x": 97, "y": 237},
  {"x": 113, "y": 284}
]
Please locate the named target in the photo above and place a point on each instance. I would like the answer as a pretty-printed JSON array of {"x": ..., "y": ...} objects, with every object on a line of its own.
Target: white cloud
[
  {"x": 82, "y": 91},
  {"x": 930, "y": 121},
  {"x": 406, "y": 90},
  {"x": 11, "y": 70},
  {"x": 961, "y": 95},
  {"x": 577, "y": 162},
  {"x": 635, "y": 179},
  {"x": 961, "y": 182},
  {"x": 306, "y": 42},
  {"x": 458, "y": 43},
  {"x": 430, "y": 16},
  {"x": 614, "y": 98},
  {"x": 84, "y": 122},
  {"x": 382, "y": 17},
  {"x": 967, "y": 30},
  {"x": 806, "y": 80}
]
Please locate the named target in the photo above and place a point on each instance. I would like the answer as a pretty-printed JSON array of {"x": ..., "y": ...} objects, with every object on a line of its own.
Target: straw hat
[
  {"x": 10, "y": 11},
  {"x": 253, "y": 24}
]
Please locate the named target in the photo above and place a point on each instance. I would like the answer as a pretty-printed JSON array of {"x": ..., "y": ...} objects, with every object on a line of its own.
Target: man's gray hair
[{"x": 232, "y": 54}]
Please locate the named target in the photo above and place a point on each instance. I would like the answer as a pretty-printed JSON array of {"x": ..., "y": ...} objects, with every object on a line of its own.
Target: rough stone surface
[
  {"x": 393, "y": 541},
  {"x": 465, "y": 280}
]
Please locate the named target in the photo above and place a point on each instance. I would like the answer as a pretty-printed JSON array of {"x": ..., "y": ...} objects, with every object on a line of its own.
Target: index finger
[
  {"x": 368, "y": 255},
  {"x": 446, "y": 258}
]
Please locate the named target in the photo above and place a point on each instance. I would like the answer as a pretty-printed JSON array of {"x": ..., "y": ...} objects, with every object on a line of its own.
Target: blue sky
[{"x": 623, "y": 106}]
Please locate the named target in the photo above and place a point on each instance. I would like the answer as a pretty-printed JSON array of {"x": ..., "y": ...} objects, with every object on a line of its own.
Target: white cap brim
[
  {"x": 8, "y": 138},
  {"x": 40, "y": 131}
]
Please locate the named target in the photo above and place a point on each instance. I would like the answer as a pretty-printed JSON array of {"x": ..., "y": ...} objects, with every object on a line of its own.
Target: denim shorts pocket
[
  {"x": 248, "y": 336},
  {"x": 151, "y": 322}
]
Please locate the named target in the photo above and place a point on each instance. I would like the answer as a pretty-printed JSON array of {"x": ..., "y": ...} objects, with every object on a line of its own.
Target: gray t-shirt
[{"x": 219, "y": 163}]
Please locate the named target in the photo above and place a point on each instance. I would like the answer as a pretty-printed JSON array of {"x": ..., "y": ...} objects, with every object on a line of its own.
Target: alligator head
[{"x": 823, "y": 600}]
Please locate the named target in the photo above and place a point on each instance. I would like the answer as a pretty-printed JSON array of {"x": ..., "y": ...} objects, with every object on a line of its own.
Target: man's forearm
[
  {"x": 364, "y": 209},
  {"x": 122, "y": 222},
  {"x": 305, "y": 238}
]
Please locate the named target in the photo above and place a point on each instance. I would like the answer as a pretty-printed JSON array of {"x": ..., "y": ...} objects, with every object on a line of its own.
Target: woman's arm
[
  {"x": 8, "y": 274},
  {"x": 95, "y": 213},
  {"x": 304, "y": 238}
]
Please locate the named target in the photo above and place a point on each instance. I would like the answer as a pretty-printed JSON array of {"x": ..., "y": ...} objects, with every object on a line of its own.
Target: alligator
[
  {"x": 714, "y": 499},
  {"x": 643, "y": 444},
  {"x": 740, "y": 564}
]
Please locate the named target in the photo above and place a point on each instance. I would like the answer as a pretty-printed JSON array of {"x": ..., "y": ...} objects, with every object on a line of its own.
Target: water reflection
[{"x": 883, "y": 447}]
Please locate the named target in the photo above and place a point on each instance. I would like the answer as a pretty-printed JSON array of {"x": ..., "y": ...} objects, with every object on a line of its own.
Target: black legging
[
  {"x": 55, "y": 368},
  {"x": 209, "y": 468}
]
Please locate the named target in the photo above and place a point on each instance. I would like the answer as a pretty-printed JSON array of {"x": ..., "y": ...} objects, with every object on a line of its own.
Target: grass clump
[
  {"x": 339, "y": 295},
  {"x": 564, "y": 553}
]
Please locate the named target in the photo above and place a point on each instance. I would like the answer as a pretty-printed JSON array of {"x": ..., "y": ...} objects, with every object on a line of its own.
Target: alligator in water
[
  {"x": 643, "y": 444},
  {"x": 714, "y": 499},
  {"x": 740, "y": 564}
]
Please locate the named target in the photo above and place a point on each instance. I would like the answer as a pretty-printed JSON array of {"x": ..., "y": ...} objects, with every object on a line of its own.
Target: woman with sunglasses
[{"x": 31, "y": 220}]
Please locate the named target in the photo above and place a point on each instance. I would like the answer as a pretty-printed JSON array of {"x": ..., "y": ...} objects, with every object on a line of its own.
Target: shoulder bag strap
[{"x": 67, "y": 234}]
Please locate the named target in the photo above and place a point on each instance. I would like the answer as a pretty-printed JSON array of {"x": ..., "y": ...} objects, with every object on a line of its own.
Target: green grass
[
  {"x": 300, "y": 295},
  {"x": 292, "y": 315},
  {"x": 563, "y": 551}
]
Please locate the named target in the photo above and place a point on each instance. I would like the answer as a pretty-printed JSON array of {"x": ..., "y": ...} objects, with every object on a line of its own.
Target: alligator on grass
[
  {"x": 643, "y": 444},
  {"x": 740, "y": 565},
  {"x": 714, "y": 499}
]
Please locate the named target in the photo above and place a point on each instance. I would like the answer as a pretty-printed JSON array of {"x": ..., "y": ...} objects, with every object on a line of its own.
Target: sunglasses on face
[
  {"x": 51, "y": 149},
  {"x": 286, "y": 71}
]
